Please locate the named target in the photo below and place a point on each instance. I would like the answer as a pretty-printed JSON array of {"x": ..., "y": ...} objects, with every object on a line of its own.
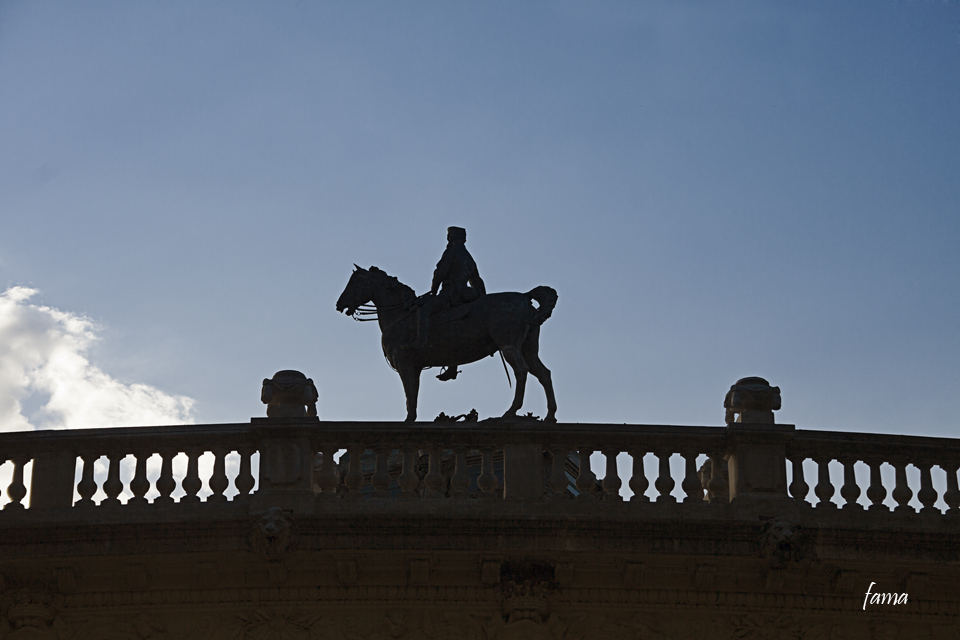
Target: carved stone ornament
[
  {"x": 30, "y": 613},
  {"x": 273, "y": 533},
  {"x": 751, "y": 400},
  {"x": 290, "y": 394},
  {"x": 263, "y": 624},
  {"x": 782, "y": 541},
  {"x": 526, "y": 601},
  {"x": 122, "y": 627}
]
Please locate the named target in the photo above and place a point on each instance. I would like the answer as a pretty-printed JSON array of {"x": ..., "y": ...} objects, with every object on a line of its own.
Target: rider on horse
[{"x": 458, "y": 282}]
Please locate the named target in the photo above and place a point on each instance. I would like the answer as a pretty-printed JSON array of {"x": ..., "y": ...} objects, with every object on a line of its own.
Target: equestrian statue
[{"x": 456, "y": 322}]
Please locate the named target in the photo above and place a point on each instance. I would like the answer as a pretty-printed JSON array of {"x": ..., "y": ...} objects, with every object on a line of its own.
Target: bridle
[{"x": 372, "y": 310}]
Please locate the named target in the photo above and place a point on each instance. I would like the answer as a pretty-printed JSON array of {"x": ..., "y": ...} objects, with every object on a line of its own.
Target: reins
[
  {"x": 365, "y": 310},
  {"x": 371, "y": 310}
]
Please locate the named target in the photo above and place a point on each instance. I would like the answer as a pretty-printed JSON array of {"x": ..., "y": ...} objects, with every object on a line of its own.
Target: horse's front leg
[
  {"x": 410, "y": 376},
  {"x": 515, "y": 360}
]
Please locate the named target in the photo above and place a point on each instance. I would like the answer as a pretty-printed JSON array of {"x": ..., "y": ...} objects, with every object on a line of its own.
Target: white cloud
[{"x": 43, "y": 354}]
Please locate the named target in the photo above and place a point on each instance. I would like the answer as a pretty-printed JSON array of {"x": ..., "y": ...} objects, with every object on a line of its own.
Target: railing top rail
[
  {"x": 594, "y": 435},
  {"x": 871, "y": 444},
  {"x": 370, "y": 433},
  {"x": 574, "y": 435},
  {"x": 133, "y": 437}
]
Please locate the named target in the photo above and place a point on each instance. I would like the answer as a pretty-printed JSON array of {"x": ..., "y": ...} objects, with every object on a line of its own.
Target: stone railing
[
  {"x": 308, "y": 466},
  {"x": 64, "y": 465},
  {"x": 871, "y": 452}
]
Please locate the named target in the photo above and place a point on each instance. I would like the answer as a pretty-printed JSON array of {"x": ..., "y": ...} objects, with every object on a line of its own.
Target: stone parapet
[{"x": 307, "y": 466}]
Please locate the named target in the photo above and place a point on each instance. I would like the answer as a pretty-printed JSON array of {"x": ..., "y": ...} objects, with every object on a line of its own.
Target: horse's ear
[{"x": 356, "y": 267}]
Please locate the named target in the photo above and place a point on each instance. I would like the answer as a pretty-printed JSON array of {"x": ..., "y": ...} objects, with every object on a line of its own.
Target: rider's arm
[
  {"x": 477, "y": 284},
  {"x": 440, "y": 272},
  {"x": 473, "y": 276}
]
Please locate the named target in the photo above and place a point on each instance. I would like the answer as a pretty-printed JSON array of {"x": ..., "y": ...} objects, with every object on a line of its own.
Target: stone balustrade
[
  {"x": 64, "y": 465},
  {"x": 308, "y": 466},
  {"x": 928, "y": 456}
]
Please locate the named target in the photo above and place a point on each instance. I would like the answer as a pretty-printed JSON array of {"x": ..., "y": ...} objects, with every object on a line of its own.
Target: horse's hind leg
[
  {"x": 515, "y": 360},
  {"x": 411, "y": 388},
  {"x": 531, "y": 354}
]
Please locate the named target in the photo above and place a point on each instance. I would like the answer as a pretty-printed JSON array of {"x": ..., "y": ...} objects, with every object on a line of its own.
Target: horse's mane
[{"x": 391, "y": 282}]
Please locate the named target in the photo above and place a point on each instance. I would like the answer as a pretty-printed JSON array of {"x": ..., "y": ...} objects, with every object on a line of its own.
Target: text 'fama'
[{"x": 882, "y": 598}]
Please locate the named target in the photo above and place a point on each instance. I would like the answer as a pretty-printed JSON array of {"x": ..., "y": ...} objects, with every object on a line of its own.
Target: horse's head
[{"x": 356, "y": 293}]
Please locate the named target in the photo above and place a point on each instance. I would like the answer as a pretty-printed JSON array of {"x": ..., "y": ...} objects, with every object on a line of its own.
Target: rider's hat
[{"x": 457, "y": 232}]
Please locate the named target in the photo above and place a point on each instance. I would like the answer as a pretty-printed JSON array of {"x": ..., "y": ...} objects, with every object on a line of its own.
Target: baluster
[
  {"x": 191, "y": 483},
  {"x": 611, "y": 477},
  {"x": 218, "y": 480},
  {"x": 487, "y": 481},
  {"x": 558, "y": 474},
  {"x": 354, "y": 478},
  {"x": 665, "y": 482},
  {"x": 112, "y": 486},
  {"x": 952, "y": 495},
  {"x": 902, "y": 492},
  {"x": 927, "y": 494},
  {"x": 850, "y": 491},
  {"x": 381, "y": 478},
  {"x": 638, "y": 481},
  {"x": 328, "y": 473},
  {"x": 140, "y": 484},
  {"x": 434, "y": 479},
  {"x": 408, "y": 479},
  {"x": 460, "y": 480},
  {"x": 245, "y": 480},
  {"x": 586, "y": 479},
  {"x": 17, "y": 490},
  {"x": 691, "y": 481},
  {"x": 717, "y": 486},
  {"x": 824, "y": 488},
  {"x": 798, "y": 487},
  {"x": 166, "y": 485},
  {"x": 876, "y": 492},
  {"x": 87, "y": 485}
]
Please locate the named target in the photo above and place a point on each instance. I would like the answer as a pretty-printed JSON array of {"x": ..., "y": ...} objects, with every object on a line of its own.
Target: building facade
[{"x": 294, "y": 528}]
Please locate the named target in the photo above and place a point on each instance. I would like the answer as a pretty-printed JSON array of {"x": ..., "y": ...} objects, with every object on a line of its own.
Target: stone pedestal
[
  {"x": 523, "y": 472},
  {"x": 53, "y": 479},
  {"x": 286, "y": 476},
  {"x": 757, "y": 462}
]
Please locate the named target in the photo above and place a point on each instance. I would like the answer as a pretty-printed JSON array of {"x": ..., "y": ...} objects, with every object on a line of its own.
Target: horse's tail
[{"x": 546, "y": 297}]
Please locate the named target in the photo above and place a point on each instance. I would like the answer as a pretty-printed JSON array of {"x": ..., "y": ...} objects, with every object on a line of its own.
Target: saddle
[
  {"x": 443, "y": 316},
  {"x": 452, "y": 305}
]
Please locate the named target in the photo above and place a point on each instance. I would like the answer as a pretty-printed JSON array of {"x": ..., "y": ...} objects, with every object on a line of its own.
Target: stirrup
[{"x": 450, "y": 373}]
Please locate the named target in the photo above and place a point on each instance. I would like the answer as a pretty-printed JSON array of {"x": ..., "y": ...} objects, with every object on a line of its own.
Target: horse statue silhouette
[{"x": 505, "y": 322}]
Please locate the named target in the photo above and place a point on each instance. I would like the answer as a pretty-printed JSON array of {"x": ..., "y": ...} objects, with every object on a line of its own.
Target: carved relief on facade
[
  {"x": 272, "y": 533},
  {"x": 30, "y": 614},
  {"x": 119, "y": 628},
  {"x": 782, "y": 540},
  {"x": 267, "y": 624}
]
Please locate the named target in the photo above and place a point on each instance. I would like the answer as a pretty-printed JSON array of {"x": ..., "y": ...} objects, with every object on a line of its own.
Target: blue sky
[{"x": 715, "y": 191}]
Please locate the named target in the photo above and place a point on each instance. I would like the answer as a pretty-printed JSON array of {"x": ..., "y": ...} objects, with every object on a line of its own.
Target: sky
[{"x": 715, "y": 190}]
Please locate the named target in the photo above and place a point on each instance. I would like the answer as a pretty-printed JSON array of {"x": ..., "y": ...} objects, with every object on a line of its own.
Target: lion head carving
[
  {"x": 782, "y": 541},
  {"x": 272, "y": 533}
]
